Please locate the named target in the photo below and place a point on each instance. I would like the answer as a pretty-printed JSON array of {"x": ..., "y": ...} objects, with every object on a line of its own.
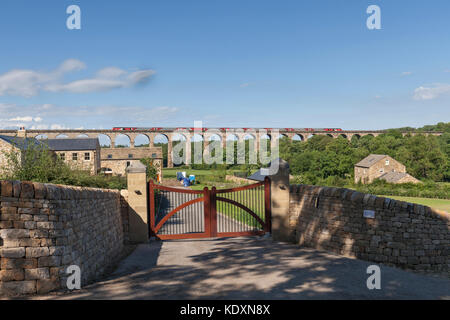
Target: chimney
[{"x": 22, "y": 133}]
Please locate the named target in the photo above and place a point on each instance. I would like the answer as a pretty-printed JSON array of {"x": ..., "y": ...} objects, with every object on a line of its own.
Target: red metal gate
[{"x": 179, "y": 213}]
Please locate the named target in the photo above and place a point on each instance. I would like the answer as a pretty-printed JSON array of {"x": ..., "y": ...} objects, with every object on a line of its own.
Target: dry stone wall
[
  {"x": 45, "y": 228},
  {"x": 400, "y": 234},
  {"x": 124, "y": 212}
]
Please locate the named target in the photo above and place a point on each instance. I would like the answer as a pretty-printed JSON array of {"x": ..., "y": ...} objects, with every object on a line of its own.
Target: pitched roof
[
  {"x": 19, "y": 142},
  {"x": 393, "y": 176},
  {"x": 72, "y": 144},
  {"x": 272, "y": 169},
  {"x": 370, "y": 160}
]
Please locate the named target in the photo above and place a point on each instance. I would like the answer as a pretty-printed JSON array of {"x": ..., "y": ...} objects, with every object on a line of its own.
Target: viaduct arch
[{"x": 207, "y": 135}]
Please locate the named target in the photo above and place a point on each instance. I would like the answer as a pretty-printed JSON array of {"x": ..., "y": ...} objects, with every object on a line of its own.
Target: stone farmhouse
[
  {"x": 82, "y": 154},
  {"x": 381, "y": 166}
]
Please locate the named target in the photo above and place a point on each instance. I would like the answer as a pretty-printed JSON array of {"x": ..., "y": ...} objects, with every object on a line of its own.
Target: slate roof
[
  {"x": 393, "y": 176},
  {"x": 72, "y": 144},
  {"x": 370, "y": 160},
  {"x": 260, "y": 175},
  {"x": 257, "y": 176},
  {"x": 21, "y": 143}
]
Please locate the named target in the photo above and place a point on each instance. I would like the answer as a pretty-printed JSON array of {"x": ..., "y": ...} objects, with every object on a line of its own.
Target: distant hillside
[{"x": 441, "y": 127}]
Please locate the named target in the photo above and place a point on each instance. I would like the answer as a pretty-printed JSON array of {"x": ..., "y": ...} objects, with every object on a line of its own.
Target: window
[
  {"x": 130, "y": 156},
  {"x": 153, "y": 155},
  {"x": 75, "y": 156},
  {"x": 128, "y": 163},
  {"x": 62, "y": 156},
  {"x": 109, "y": 156},
  {"x": 387, "y": 162},
  {"x": 87, "y": 156}
]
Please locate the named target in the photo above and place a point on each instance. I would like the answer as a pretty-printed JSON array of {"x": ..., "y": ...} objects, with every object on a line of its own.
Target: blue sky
[{"x": 227, "y": 63}]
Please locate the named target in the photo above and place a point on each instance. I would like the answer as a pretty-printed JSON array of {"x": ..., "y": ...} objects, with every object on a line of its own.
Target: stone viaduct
[{"x": 169, "y": 135}]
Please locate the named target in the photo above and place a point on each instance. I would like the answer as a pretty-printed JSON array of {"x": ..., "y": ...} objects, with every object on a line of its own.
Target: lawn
[
  {"x": 172, "y": 172},
  {"x": 203, "y": 178},
  {"x": 439, "y": 204},
  {"x": 252, "y": 199}
]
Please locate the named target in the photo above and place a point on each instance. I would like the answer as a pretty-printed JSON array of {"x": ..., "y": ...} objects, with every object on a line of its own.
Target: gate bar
[{"x": 267, "y": 205}]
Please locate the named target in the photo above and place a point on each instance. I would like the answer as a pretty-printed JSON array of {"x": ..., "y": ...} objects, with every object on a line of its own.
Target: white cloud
[
  {"x": 407, "y": 73},
  {"x": 111, "y": 72},
  {"x": 51, "y": 116},
  {"x": 245, "y": 85},
  {"x": 429, "y": 93},
  {"x": 25, "y": 119},
  {"x": 28, "y": 83},
  {"x": 57, "y": 127},
  {"x": 16, "y": 120},
  {"x": 24, "y": 83}
]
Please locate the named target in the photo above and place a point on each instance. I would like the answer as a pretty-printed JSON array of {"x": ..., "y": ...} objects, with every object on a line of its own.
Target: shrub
[{"x": 35, "y": 162}]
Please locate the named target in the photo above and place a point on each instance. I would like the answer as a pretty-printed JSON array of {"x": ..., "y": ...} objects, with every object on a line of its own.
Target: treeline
[
  {"x": 440, "y": 127},
  {"x": 324, "y": 158}
]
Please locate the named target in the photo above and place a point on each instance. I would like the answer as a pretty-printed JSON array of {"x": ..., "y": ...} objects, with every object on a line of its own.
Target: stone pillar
[
  {"x": 223, "y": 138},
  {"x": 22, "y": 133},
  {"x": 151, "y": 140},
  {"x": 169, "y": 153},
  {"x": 188, "y": 149},
  {"x": 205, "y": 144},
  {"x": 258, "y": 146},
  {"x": 137, "y": 201},
  {"x": 279, "y": 189}
]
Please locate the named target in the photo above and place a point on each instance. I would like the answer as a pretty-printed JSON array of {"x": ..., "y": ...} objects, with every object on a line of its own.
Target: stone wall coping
[
  {"x": 47, "y": 191},
  {"x": 363, "y": 199}
]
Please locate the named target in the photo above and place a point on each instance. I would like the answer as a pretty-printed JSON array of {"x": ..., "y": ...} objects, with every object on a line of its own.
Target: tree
[{"x": 152, "y": 169}]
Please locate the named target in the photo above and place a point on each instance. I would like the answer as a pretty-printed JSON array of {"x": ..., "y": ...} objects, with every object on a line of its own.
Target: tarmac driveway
[{"x": 250, "y": 268}]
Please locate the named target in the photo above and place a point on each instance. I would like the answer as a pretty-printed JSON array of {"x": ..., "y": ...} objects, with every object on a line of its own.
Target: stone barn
[{"x": 381, "y": 166}]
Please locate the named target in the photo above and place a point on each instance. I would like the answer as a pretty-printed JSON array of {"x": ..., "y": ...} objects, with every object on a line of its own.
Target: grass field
[
  {"x": 172, "y": 172},
  {"x": 204, "y": 178},
  {"x": 252, "y": 199},
  {"x": 439, "y": 204}
]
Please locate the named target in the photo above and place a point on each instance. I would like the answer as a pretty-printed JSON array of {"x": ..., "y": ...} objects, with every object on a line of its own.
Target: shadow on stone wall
[{"x": 401, "y": 234}]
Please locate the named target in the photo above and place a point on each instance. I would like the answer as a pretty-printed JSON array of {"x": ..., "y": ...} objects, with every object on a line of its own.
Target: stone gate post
[
  {"x": 280, "y": 202},
  {"x": 137, "y": 203}
]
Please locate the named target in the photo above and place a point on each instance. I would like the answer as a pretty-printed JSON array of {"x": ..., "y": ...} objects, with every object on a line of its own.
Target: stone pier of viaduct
[{"x": 205, "y": 134}]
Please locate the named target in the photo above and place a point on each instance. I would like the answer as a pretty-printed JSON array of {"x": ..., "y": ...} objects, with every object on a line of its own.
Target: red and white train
[{"x": 156, "y": 129}]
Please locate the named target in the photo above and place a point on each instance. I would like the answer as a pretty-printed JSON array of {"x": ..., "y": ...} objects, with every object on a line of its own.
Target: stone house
[
  {"x": 82, "y": 153},
  {"x": 381, "y": 166},
  {"x": 10, "y": 144},
  {"x": 115, "y": 161}
]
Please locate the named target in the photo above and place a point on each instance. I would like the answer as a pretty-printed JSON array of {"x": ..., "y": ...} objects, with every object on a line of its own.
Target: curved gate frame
[
  {"x": 210, "y": 199},
  {"x": 152, "y": 219},
  {"x": 266, "y": 225}
]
